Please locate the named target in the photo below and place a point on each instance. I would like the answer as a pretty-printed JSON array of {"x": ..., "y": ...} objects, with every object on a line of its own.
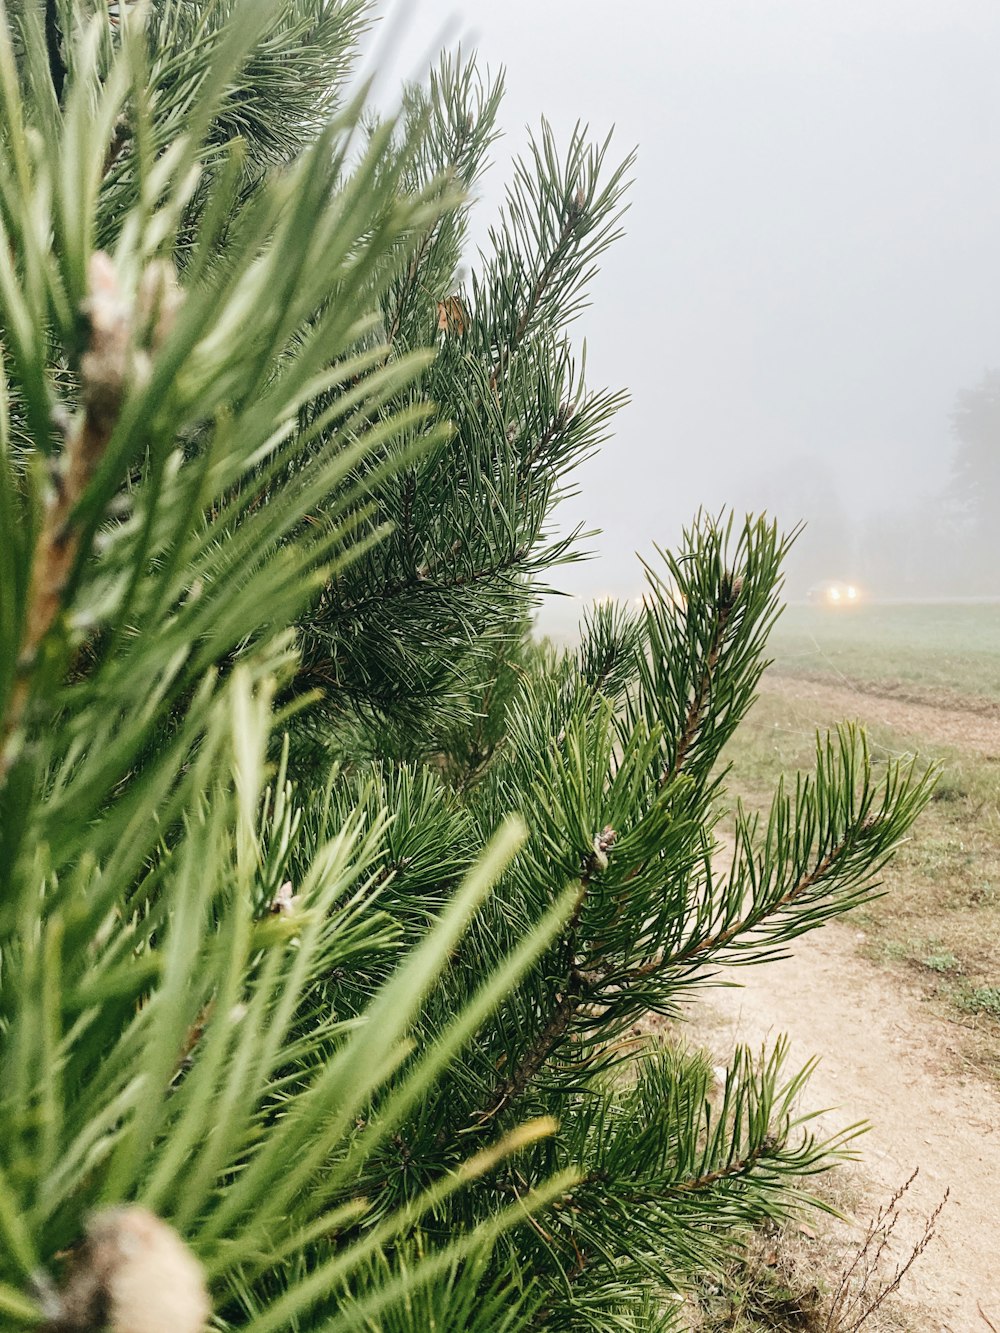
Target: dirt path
[
  {"x": 888, "y": 1060},
  {"x": 970, "y": 725}
]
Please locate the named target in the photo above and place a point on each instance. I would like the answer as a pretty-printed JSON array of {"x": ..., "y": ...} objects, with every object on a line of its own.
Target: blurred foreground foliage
[{"x": 330, "y": 899}]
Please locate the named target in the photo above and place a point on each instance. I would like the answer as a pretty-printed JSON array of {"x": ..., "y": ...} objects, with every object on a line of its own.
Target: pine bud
[
  {"x": 123, "y": 332},
  {"x": 132, "y": 1274},
  {"x": 603, "y": 842},
  {"x": 104, "y": 366},
  {"x": 284, "y": 901},
  {"x": 576, "y": 207},
  {"x": 730, "y": 589}
]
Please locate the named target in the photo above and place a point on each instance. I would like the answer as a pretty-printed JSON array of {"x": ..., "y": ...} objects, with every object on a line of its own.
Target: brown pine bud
[{"x": 603, "y": 842}]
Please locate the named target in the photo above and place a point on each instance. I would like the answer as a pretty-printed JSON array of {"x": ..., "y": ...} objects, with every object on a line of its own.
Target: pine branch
[
  {"x": 709, "y": 944},
  {"x": 740, "y": 1166},
  {"x": 410, "y": 283},
  {"x": 347, "y": 980},
  {"x": 109, "y": 359},
  {"x": 574, "y": 217},
  {"x": 729, "y": 592},
  {"x": 559, "y": 423},
  {"x": 423, "y": 584},
  {"x": 574, "y": 993}
]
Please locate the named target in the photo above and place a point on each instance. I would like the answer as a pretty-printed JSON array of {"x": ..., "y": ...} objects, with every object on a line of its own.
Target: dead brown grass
[{"x": 826, "y": 1275}]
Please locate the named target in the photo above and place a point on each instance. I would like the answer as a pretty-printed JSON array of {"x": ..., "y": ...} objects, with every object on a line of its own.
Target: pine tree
[{"x": 331, "y": 898}]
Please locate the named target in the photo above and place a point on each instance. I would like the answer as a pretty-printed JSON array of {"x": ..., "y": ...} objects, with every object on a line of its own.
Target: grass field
[
  {"x": 944, "y": 651},
  {"x": 923, "y": 680}
]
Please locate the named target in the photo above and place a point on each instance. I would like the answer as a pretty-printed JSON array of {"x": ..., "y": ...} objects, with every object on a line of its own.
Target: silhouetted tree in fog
[{"x": 976, "y": 423}]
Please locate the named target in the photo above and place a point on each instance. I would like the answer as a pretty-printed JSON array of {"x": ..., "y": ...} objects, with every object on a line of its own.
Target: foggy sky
[{"x": 812, "y": 262}]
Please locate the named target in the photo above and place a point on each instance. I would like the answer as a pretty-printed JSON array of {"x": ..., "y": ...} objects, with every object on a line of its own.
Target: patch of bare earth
[
  {"x": 888, "y": 1059},
  {"x": 966, "y": 724},
  {"x": 893, "y": 1050}
]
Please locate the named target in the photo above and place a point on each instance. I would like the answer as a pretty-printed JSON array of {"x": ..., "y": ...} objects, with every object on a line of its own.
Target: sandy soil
[
  {"x": 965, "y": 724},
  {"x": 888, "y": 1060},
  {"x": 886, "y": 1057}
]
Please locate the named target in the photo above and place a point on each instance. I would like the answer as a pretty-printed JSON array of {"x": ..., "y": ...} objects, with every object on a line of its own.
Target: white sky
[{"x": 812, "y": 262}]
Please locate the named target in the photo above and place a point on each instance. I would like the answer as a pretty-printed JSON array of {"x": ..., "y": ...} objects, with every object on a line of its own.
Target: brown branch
[
  {"x": 423, "y": 583},
  {"x": 690, "y": 1186},
  {"x": 59, "y": 542},
  {"x": 111, "y": 357},
  {"x": 738, "y": 1168},
  {"x": 410, "y": 280},
  {"x": 728, "y": 593},
  {"x": 406, "y": 518},
  {"x": 55, "y": 557},
  {"x": 574, "y": 214},
  {"x": 574, "y": 993},
  {"x": 544, "y": 278},
  {"x": 710, "y": 943},
  {"x": 556, "y": 426},
  {"x": 538, "y": 1053},
  {"x": 384, "y": 874}
]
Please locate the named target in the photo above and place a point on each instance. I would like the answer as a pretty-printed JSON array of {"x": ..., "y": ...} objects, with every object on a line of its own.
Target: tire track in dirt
[{"x": 975, "y": 726}]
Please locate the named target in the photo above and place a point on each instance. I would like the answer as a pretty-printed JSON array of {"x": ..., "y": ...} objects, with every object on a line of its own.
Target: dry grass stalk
[{"x": 862, "y": 1289}]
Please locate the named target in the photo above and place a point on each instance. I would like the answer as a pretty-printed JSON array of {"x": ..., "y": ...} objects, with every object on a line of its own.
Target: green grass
[
  {"x": 943, "y": 649},
  {"x": 979, "y": 999}
]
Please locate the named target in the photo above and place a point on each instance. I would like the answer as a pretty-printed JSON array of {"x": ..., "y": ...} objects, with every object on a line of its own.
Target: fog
[{"x": 810, "y": 274}]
